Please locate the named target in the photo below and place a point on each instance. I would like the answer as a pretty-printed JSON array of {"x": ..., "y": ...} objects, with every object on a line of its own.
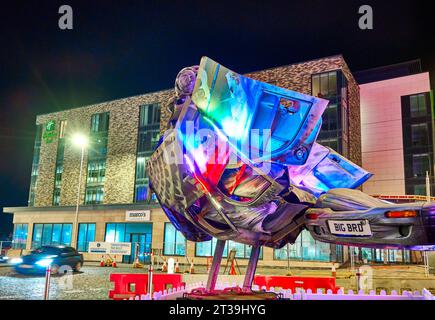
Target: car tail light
[
  {"x": 312, "y": 216},
  {"x": 401, "y": 214}
]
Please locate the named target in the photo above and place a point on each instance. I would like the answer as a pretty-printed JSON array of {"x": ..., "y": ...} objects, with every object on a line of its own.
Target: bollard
[
  {"x": 358, "y": 279},
  {"x": 47, "y": 282},
  {"x": 150, "y": 280}
]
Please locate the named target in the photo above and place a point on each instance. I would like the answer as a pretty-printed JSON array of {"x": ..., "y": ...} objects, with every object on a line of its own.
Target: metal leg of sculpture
[
  {"x": 214, "y": 269},
  {"x": 252, "y": 266}
]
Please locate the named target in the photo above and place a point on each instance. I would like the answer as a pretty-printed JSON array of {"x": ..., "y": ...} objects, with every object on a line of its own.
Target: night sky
[{"x": 124, "y": 48}]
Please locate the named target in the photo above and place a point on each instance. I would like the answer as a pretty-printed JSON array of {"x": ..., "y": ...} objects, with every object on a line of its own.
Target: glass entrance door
[{"x": 143, "y": 241}]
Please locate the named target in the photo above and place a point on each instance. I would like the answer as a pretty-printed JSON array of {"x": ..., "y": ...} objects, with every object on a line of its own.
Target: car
[
  {"x": 3, "y": 259},
  {"x": 58, "y": 257},
  {"x": 351, "y": 217}
]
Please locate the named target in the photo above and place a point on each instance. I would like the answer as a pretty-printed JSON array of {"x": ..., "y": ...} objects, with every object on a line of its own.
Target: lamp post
[{"x": 81, "y": 141}]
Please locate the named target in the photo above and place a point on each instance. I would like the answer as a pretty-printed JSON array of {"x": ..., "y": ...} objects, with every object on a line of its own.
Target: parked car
[
  {"x": 3, "y": 258},
  {"x": 59, "y": 257}
]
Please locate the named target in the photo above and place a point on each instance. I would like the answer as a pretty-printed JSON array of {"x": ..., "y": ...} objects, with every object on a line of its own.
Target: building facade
[
  {"x": 122, "y": 134},
  {"x": 397, "y": 129}
]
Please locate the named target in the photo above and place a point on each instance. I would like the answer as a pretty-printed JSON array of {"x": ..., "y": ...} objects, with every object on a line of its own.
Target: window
[
  {"x": 62, "y": 129},
  {"x": 97, "y": 154},
  {"x": 419, "y": 134},
  {"x": 96, "y": 172},
  {"x": 86, "y": 235},
  {"x": 94, "y": 195},
  {"x": 206, "y": 249},
  {"x": 148, "y": 137},
  {"x": 35, "y": 165},
  {"x": 51, "y": 234},
  {"x": 59, "y": 165},
  {"x": 100, "y": 122},
  {"x": 324, "y": 84},
  {"x": 306, "y": 248},
  {"x": 331, "y": 143},
  {"x": 20, "y": 236},
  {"x": 139, "y": 234},
  {"x": 330, "y": 118},
  {"x": 123, "y": 232},
  {"x": 56, "y": 196},
  {"x": 421, "y": 164},
  {"x": 418, "y": 105},
  {"x": 174, "y": 243},
  {"x": 420, "y": 189}
]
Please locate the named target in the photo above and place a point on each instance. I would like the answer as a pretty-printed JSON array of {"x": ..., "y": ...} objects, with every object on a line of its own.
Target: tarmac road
[{"x": 91, "y": 283}]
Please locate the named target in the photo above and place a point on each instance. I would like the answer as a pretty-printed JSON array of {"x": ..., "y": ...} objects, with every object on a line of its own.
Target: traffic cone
[
  {"x": 334, "y": 273},
  {"x": 102, "y": 261},
  {"x": 192, "y": 269},
  {"x": 114, "y": 262},
  {"x": 177, "y": 267},
  {"x": 164, "y": 266},
  {"x": 136, "y": 262},
  {"x": 233, "y": 270}
]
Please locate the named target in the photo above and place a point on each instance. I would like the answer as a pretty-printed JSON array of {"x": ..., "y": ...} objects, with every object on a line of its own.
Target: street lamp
[{"x": 80, "y": 140}]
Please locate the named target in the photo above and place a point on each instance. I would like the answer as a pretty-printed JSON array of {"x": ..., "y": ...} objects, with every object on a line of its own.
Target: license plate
[
  {"x": 350, "y": 227},
  {"x": 26, "y": 266}
]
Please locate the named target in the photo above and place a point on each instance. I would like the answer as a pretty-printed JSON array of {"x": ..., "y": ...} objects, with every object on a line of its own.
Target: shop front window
[
  {"x": 20, "y": 236},
  {"x": 174, "y": 242},
  {"x": 207, "y": 248},
  {"x": 86, "y": 235},
  {"x": 307, "y": 249},
  {"x": 51, "y": 234}
]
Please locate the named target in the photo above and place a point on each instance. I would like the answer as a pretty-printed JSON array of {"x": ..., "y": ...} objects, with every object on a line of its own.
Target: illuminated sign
[
  {"x": 138, "y": 215},
  {"x": 50, "y": 132},
  {"x": 121, "y": 248}
]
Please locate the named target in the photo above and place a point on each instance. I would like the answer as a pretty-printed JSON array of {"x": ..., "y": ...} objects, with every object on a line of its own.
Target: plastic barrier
[
  {"x": 300, "y": 294},
  {"x": 294, "y": 283},
  {"x": 131, "y": 285}
]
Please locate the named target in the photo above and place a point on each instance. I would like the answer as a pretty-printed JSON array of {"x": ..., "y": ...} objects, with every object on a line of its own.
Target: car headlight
[
  {"x": 44, "y": 262},
  {"x": 16, "y": 260}
]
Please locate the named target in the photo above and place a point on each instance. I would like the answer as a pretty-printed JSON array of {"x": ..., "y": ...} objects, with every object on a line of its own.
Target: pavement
[{"x": 92, "y": 283}]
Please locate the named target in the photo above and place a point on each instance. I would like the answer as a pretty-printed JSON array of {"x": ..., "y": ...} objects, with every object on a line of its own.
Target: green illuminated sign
[{"x": 50, "y": 132}]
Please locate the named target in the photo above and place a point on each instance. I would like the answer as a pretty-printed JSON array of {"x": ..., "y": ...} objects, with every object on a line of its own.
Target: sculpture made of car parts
[{"x": 239, "y": 162}]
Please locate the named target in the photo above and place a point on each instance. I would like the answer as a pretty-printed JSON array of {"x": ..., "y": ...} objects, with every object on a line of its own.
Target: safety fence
[
  {"x": 173, "y": 286},
  {"x": 301, "y": 294}
]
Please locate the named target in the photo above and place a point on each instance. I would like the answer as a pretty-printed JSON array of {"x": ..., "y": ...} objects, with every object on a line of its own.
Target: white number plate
[
  {"x": 26, "y": 266},
  {"x": 350, "y": 227}
]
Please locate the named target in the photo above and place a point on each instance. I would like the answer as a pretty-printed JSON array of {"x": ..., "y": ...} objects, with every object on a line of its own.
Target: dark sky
[{"x": 124, "y": 48}]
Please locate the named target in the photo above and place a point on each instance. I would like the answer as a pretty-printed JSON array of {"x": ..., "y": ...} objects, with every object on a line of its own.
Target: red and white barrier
[{"x": 175, "y": 293}]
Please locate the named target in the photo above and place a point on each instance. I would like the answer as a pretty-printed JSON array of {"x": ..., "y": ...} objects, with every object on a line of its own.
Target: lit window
[
  {"x": 306, "y": 248},
  {"x": 62, "y": 129},
  {"x": 174, "y": 242},
  {"x": 51, "y": 234},
  {"x": 20, "y": 236},
  {"x": 94, "y": 195},
  {"x": 86, "y": 235},
  {"x": 324, "y": 84},
  {"x": 207, "y": 248},
  {"x": 148, "y": 137},
  {"x": 418, "y": 107}
]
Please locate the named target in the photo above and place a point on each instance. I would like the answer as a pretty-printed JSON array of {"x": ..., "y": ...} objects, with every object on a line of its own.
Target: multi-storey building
[
  {"x": 122, "y": 134},
  {"x": 397, "y": 129}
]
